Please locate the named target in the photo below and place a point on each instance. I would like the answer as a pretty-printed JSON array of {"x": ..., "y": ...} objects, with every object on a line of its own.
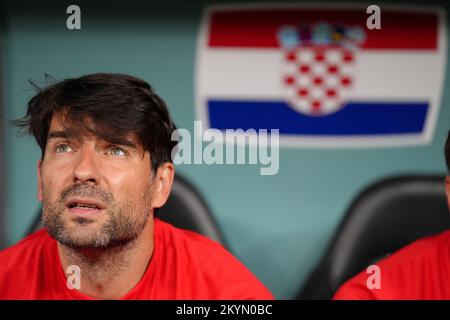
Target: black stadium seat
[
  {"x": 185, "y": 209},
  {"x": 382, "y": 219}
]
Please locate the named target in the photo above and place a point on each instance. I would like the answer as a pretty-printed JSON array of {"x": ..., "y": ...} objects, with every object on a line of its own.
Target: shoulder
[
  {"x": 210, "y": 262},
  {"x": 19, "y": 264},
  {"x": 26, "y": 250},
  {"x": 197, "y": 246},
  {"x": 409, "y": 273}
]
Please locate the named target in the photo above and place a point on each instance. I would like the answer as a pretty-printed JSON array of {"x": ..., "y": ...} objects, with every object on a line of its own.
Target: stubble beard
[{"x": 122, "y": 223}]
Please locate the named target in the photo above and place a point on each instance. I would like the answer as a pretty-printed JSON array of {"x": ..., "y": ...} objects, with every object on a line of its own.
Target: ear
[
  {"x": 39, "y": 195},
  {"x": 163, "y": 181}
]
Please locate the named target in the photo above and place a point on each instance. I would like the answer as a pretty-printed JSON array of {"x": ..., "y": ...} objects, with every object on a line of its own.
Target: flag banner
[{"x": 320, "y": 76}]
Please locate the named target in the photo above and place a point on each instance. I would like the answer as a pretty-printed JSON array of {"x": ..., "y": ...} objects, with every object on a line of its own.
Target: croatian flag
[{"x": 320, "y": 76}]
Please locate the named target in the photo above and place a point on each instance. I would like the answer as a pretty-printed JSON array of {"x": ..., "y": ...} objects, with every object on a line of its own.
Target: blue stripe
[{"x": 357, "y": 118}]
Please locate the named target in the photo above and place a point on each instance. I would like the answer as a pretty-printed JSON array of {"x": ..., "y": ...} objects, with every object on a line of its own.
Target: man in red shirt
[
  {"x": 420, "y": 270},
  {"x": 105, "y": 166}
]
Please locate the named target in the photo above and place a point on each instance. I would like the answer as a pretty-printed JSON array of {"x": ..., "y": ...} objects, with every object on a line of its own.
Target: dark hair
[{"x": 116, "y": 104}]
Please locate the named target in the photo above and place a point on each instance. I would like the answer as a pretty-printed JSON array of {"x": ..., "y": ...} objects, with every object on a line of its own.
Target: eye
[
  {"x": 116, "y": 151},
  {"x": 62, "y": 147}
]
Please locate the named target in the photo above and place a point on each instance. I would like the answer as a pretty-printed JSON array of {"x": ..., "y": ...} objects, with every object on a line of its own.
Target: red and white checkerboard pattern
[{"x": 318, "y": 81}]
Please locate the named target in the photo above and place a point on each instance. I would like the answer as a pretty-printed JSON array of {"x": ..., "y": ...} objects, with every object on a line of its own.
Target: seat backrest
[
  {"x": 184, "y": 209},
  {"x": 382, "y": 219}
]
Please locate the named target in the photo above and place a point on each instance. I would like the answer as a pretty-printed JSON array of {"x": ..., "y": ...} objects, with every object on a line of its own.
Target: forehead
[
  {"x": 85, "y": 128},
  {"x": 57, "y": 122},
  {"x": 60, "y": 121}
]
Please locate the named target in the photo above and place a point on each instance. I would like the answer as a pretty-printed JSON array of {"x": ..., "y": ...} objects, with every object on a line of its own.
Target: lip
[{"x": 99, "y": 206}]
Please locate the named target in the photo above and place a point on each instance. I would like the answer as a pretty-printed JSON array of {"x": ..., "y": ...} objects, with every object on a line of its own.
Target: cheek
[
  {"x": 52, "y": 184},
  {"x": 129, "y": 185},
  {"x": 48, "y": 190}
]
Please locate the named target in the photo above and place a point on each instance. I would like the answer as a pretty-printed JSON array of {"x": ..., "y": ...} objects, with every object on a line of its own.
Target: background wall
[{"x": 277, "y": 225}]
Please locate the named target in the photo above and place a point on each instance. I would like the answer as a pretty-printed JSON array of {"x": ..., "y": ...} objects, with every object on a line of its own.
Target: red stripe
[{"x": 257, "y": 28}]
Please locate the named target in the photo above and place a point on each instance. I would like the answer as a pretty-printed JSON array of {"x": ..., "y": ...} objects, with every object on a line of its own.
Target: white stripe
[{"x": 378, "y": 75}]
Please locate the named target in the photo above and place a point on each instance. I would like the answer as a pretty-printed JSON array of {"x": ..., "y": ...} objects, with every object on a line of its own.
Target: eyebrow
[
  {"x": 124, "y": 141},
  {"x": 58, "y": 134}
]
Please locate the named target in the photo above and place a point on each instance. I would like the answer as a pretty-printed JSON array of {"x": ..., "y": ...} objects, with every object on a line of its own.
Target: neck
[{"x": 109, "y": 273}]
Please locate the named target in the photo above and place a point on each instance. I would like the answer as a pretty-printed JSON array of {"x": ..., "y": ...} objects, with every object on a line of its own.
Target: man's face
[{"x": 94, "y": 194}]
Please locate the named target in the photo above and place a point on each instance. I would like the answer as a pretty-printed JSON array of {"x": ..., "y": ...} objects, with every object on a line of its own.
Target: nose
[{"x": 86, "y": 167}]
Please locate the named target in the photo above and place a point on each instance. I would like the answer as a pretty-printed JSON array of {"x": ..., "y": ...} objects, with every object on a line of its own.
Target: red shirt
[
  {"x": 420, "y": 270},
  {"x": 184, "y": 265}
]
